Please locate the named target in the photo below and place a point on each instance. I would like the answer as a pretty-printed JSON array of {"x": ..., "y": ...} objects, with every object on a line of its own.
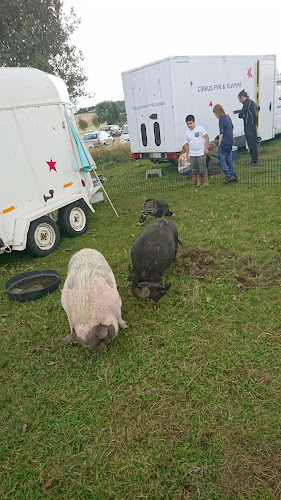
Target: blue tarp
[{"x": 83, "y": 158}]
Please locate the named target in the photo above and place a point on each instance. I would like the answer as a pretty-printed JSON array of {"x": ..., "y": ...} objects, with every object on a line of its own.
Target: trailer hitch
[{"x": 46, "y": 198}]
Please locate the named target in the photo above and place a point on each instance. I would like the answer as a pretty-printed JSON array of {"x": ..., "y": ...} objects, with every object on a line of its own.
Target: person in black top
[{"x": 249, "y": 115}]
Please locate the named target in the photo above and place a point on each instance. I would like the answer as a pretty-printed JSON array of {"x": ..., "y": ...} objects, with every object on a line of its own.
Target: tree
[
  {"x": 121, "y": 106},
  {"x": 95, "y": 120},
  {"x": 123, "y": 118},
  {"x": 107, "y": 111},
  {"x": 82, "y": 124},
  {"x": 89, "y": 109},
  {"x": 37, "y": 33}
]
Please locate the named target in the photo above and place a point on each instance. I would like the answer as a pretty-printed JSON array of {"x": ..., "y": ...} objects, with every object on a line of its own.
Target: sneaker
[
  {"x": 251, "y": 164},
  {"x": 235, "y": 179},
  {"x": 227, "y": 180}
]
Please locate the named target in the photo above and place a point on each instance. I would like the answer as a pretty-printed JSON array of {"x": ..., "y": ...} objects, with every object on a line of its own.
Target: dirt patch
[
  {"x": 202, "y": 263},
  {"x": 251, "y": 277},
  {"x": 206, "y": 265}
]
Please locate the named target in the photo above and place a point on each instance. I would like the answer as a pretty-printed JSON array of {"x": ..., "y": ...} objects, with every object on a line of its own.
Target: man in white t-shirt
[{"x": 197, "y": 141}]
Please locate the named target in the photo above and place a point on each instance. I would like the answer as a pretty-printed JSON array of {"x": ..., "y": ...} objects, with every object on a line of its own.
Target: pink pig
[{"x": 91, "y": 301}]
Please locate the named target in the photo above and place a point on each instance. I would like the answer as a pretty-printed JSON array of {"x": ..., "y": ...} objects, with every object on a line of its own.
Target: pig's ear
[
  {"x": 71, "y": 338},
  {"x": 111, "y": 331}
]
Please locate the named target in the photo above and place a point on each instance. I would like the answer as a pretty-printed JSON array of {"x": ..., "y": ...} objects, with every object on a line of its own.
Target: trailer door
[
  {"x": 46, "y": 137},
  {"x": 154, "y": 117},
  {"x": 148, "y": 108},
  {"x": 265, "y": 98}
]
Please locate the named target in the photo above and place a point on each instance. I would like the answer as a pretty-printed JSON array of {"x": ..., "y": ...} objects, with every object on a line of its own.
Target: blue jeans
[{"x": 226, "y": 163}]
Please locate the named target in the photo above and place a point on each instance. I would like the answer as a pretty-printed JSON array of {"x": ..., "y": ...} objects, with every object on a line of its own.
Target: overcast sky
[{"x": 118, "y": 35}]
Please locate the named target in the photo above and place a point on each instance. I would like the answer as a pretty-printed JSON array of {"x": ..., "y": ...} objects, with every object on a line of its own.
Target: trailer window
[
  {"x": 157, "y": 136},
  {"x": 143, "y": 134}
]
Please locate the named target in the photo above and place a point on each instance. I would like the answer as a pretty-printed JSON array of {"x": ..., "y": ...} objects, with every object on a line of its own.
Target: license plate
[{"x": 155, "y": 155}]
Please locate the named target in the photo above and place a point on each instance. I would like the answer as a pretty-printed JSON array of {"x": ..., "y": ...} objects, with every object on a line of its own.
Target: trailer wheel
[
  {"x": 43, "y": 237},
  {"x": 74, "y": 219}
]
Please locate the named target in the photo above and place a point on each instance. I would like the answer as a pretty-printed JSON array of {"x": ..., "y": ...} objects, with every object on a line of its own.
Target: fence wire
[{"x": 267, "y": 173}]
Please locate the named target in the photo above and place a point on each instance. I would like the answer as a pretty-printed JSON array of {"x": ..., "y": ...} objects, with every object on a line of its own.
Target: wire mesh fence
[{"x": 267, "y": 173}]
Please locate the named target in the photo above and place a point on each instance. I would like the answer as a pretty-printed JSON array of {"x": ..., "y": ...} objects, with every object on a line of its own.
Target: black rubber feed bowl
[{"x": 32, "y": 286}]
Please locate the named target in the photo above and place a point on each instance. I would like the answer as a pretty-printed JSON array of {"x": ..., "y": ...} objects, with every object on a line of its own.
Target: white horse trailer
[{"x": 45, "y": 169}]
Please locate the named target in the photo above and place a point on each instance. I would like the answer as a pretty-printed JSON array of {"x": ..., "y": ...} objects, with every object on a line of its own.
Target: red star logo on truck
[
  {"x": 51, "y": 164},
  {"x": 191, "y": 83},
  {"x": 249, "y": 73},
  {"x": 211, "y": 104}
]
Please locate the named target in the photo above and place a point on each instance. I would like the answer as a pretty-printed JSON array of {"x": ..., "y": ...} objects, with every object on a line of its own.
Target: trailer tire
[
  {"x": 43, "y": 237},
  {"x": 74, "y": 219}
]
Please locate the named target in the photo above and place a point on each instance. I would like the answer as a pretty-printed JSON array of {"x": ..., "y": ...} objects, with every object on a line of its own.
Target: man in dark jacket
[{"x": 249, "y": 115}]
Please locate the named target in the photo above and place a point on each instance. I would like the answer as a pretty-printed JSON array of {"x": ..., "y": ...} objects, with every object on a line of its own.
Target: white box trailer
[
  {"x": 278, "y": 105},
  {"x": 159, "y": 96},
  {"x": 45, "y": 169}
]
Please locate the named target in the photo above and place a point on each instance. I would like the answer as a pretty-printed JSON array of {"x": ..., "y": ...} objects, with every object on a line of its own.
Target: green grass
[{"x": 185, "y": 403}]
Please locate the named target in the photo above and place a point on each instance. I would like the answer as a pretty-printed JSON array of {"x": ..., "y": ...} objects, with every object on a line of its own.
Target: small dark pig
[
  {"x": 152, "y": 254},
  {"x": 91, "y": 301}
]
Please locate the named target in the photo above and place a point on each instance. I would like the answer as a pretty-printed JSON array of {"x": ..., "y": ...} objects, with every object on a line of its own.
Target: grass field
[
  {"x": 185, "y": 403},
  {"x": 87, "y": 117}
]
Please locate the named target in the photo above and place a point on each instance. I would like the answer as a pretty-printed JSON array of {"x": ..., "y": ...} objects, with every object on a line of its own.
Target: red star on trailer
[
  {"x": 249, "y": 73},
  {"x": 211, "y": 104},
  {"x": 51, "y": 164}
]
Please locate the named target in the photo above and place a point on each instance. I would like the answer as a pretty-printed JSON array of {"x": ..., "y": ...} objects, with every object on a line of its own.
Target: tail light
[
  {"x": 98, "y": 142},
  {"x": 172, "y": 155},
  {"x": 83, "y": 183}
]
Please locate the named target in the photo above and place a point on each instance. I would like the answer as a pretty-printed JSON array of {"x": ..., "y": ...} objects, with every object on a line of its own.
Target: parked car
[
  {"x": 106, "y": 128},
  {"x": 125, "y": 134},
  {"x": 113, "y": 130},
  {"x": 88, "y": 132},
  {"x": 98, "y": 138}
]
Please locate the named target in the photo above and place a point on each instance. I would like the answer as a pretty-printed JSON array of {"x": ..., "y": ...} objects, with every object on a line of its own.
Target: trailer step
[{"x": 154, "y": 171}]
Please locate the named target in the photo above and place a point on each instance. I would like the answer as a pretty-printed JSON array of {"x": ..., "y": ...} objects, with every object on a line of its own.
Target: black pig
[{"x": 152, "y": 254}]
